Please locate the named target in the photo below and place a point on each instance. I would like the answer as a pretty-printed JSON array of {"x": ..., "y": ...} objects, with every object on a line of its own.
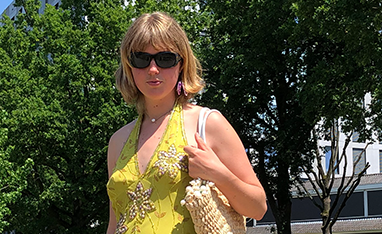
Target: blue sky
[{"x": 4, "y": 4}]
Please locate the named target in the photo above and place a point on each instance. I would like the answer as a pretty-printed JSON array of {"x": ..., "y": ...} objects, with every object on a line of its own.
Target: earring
[
  {"x": 179, "y": 87},
  {"x": 184, "y": 90}
]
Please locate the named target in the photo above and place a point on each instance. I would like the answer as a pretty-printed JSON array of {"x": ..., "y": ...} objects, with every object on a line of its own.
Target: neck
[{"x": 158, "y": 110}]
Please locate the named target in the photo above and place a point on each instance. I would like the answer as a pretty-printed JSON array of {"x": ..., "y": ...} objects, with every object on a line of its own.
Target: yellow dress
[{"x": 150, "y": 202}]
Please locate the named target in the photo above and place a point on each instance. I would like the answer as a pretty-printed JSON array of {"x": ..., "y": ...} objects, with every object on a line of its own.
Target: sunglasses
[{"x": 164, "y": 59}]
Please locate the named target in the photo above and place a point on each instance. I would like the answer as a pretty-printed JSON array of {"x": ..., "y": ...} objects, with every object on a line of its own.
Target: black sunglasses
[{"x": 164, "y": 59}]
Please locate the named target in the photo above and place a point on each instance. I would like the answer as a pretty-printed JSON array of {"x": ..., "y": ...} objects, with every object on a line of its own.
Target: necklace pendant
[{"x": 152, "y": 120}]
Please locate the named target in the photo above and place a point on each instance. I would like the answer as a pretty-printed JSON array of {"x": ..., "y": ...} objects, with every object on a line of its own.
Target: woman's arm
[
  {"x": 112, "y": 221},
  {"x": 111, "y": 161},
  {"x": 223, "y": 160}
]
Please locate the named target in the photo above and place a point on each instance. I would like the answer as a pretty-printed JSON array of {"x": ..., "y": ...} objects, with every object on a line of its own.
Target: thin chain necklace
[{"x": 153, "y": 120}]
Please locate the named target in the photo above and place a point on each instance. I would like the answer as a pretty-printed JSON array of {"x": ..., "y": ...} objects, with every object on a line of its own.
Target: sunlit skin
[
  {"x": 222, "y": 159},
  {"x": 155, "y": 83}
]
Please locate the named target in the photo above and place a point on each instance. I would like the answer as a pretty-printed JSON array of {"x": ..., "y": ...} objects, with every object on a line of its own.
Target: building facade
[
  {"x": 363, "y": 210},
  {"x": 372, "y": 153}
]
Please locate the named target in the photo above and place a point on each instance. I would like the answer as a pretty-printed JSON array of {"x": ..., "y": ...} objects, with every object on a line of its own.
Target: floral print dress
[{"x": 150, "y": 202}]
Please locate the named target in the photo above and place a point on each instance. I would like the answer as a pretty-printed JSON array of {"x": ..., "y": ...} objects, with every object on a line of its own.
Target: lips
[{"x": 154, "y": 82}]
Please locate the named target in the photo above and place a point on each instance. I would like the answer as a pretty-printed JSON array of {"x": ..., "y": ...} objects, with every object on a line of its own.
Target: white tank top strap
[{"x": 203, "y": 115}]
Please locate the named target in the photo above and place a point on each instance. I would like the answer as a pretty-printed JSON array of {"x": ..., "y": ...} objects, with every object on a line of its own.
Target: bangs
[{"x": 154, "y": 35}]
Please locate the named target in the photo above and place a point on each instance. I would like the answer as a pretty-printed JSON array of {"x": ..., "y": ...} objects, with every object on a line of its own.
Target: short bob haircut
[{"x": 163, "y": 33}]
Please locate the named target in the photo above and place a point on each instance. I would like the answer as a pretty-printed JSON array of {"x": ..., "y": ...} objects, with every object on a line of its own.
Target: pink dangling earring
[
  {"x": 184, "y": 90},
  {"x": 179, "y": 87}
]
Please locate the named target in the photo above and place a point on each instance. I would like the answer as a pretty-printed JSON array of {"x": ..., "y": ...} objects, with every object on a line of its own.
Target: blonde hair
[{"x": 162, "y": 32}]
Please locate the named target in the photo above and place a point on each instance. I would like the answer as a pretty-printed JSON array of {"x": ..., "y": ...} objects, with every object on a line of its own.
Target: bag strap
[{"x": 203, "y": 115}]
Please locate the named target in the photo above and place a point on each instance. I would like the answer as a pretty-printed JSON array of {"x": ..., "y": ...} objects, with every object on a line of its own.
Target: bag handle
[{"x": 203, "y": 115}]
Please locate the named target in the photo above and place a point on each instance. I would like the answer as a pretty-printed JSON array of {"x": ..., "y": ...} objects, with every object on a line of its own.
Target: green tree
[
  {"x": 278, "y": 68},
  {"x": 322, "y": 179},
  {"x": 253, "y": 72},
  {"x": 57, "y": 87},
  {"x": 58, "y": 90},
  {"x": 13, "y": 177},
  {"x": 344, "y": 64},
  {"x": 343, "y": 54}
]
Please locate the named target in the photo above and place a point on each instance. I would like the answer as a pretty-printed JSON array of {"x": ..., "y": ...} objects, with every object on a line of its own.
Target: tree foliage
[
  {"x": 344, "y": 55},
  {"x": 274, "y": 68},
  {"x": 13, "y": 177},
  {"x": 57, "y": 87},
  {"x": 278, "y": 68},
  {"x": 254, "y": 68},
  {"x": 60, "y": 106}
]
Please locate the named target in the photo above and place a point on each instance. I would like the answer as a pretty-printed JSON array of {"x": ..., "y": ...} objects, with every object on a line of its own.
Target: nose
[{"x": 153, "y": 67}]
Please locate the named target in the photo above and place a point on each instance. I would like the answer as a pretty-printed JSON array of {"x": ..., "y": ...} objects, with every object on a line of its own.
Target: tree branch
[{"x": 314, "y": 187}]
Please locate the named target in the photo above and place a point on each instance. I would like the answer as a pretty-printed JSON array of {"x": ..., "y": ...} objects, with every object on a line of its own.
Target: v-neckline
[{"x": 138, "y": 132}]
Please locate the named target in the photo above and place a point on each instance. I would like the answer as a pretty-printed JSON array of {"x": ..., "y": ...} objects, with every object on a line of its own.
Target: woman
[{"x": 152, "y": 159}]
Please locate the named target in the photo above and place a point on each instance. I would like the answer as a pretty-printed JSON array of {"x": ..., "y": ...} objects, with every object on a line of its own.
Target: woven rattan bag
[{"x": 209, "y": 208}]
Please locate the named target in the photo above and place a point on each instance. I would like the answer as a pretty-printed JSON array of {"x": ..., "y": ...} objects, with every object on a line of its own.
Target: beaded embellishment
[
  {"x": 141, "y": 202},
  {"x": 171, "y": 162},
  {"x": 121, "y": 228}
]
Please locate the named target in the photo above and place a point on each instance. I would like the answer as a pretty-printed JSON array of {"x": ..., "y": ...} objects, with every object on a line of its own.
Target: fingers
[
  {"x": 201, "y": 144},
  {"x": 189, "y": 149},
  {"x": 200, "y": 157}
]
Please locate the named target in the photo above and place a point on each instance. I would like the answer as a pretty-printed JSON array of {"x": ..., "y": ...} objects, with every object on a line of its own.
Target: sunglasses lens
[
  {"x": 140, "y": 60},
  {"x": 166, "y": 60},
  {"x": 162, "y": 59}
]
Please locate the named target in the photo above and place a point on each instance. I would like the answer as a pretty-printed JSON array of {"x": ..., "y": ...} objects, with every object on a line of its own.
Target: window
[
  {"x": 328, "y": 156},
  {"x": 380, "y": 161},
  {"x": 355, "y": 137},
  {"x": 362, "y": 161}
]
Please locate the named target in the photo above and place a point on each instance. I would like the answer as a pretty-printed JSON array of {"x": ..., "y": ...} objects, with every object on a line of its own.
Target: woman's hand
[
  {"x": 223, "y": 160},
  {"x": 202, "y": 161}
]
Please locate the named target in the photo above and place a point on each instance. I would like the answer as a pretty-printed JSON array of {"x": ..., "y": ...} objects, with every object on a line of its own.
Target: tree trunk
[
  {"x": 326, "y": 230},
  {"x": 326, "y": 216},
  {"x": 283, "y": 221},
  {"x": 279, "y": 202},
  {"x": 283, "y": 200}
]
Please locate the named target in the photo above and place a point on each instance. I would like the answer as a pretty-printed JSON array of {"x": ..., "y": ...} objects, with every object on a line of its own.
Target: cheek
[
  {"x": 137, "y": 75},
  {"x": 135, "y": 72},
  {"x": 137, "y": 78},
  {"x": 173, "y": 78},
  {"x": 174, "y": 74}
]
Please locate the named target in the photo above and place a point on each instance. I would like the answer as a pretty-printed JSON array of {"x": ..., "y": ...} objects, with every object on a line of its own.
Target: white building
[
  {"x": 372, "y": 154},
  {"x": 363, "y": 210}
]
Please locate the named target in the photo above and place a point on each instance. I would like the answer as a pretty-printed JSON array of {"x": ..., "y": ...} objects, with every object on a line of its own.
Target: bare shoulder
[
  {"x": 123, "y": 132},
  {"x": 217, "y": 121},
  {"x": 218, "y": 127},
  {"x": 191, "y": 109},
  {"x": 116, "y": 143},
  {"x": 226, "y": 143},
  {"x": 222, "y": 137},
  {"x": 215, "y": 126}
]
